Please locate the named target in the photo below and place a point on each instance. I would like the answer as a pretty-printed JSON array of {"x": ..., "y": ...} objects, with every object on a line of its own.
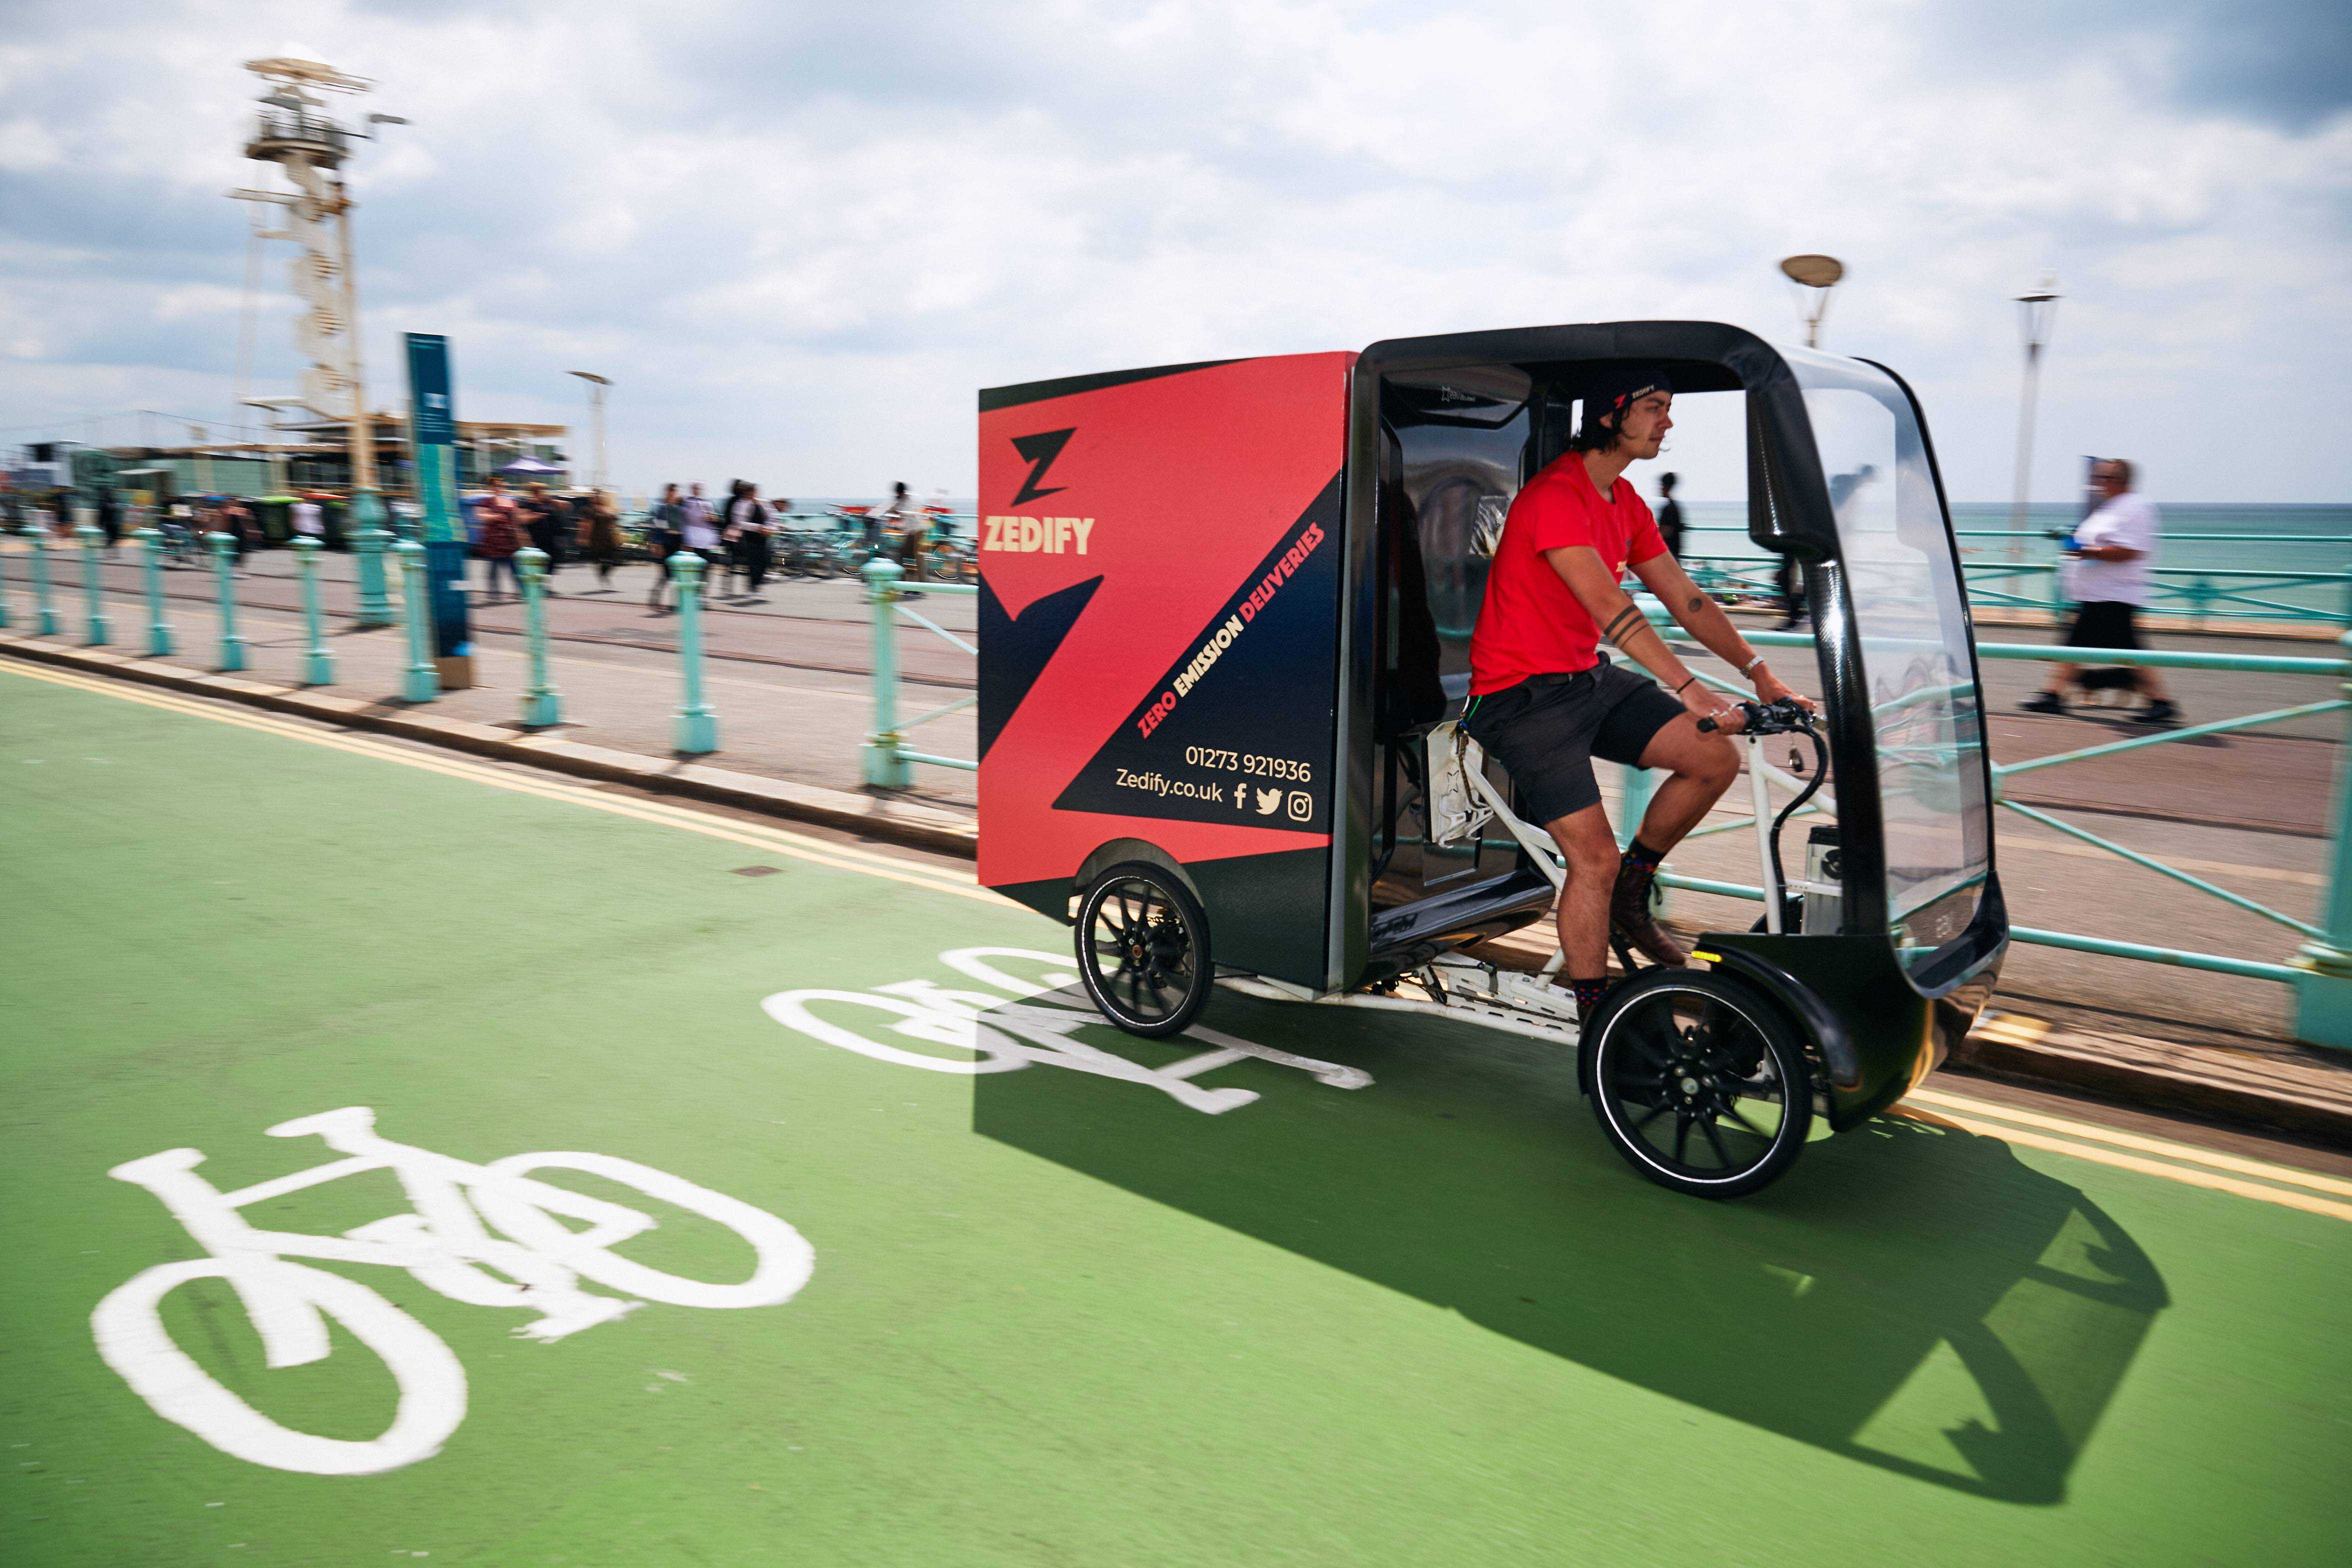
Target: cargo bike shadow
[{"x": 1915, "y": 1299}]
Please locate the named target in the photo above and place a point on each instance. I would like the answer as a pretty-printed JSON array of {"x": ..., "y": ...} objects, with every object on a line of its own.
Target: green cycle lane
[{"x": 1055, "y": 1316}]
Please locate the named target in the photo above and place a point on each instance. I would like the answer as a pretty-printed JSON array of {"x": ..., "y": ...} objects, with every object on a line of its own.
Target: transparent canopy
[{"x": 1912, "y": 642}]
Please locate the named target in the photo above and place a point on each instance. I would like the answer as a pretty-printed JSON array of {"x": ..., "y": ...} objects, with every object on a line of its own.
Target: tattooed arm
[
  {"x": 1701, "y": 617},
  {"x": 1621, "y": 623}
]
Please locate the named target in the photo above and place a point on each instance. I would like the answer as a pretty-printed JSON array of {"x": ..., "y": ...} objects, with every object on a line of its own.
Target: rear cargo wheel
[
  {"x": 1143, "y": 950},
  {"x": 1699, "y": 1082}
]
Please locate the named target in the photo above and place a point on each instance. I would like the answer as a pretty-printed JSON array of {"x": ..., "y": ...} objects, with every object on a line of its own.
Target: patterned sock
[
  {"x": 1588, "y": 993},
  {"x": 1641, "y": 857}
]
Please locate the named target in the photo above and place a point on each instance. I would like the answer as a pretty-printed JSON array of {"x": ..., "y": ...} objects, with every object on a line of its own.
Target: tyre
[
  {"x": 1699, "y": 1082},
  {"x": 1143, "y": 950}
]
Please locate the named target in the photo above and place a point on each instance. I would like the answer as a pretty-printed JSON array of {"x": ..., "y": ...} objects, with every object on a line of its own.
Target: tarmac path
[{"x": 1367, "y": 1290}]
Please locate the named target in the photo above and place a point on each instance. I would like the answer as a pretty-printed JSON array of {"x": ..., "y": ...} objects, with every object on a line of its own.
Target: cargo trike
[{"x": 1225, "y": 611}]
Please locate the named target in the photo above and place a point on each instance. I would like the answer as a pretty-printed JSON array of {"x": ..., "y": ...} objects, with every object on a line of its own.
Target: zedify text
[{"x": 1037, "y": 535}]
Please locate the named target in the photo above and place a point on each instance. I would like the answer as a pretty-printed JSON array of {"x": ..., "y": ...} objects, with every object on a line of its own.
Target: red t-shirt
[{"x": 1530, "y": 623}]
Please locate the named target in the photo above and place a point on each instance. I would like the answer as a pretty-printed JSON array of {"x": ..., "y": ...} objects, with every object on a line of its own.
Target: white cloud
[{"x": 800, "y": 237}]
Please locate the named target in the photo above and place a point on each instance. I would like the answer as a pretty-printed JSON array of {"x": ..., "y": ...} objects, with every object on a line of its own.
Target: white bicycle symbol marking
[
  {"x": 1007, "y": 1035},
  {"x": 445, "y": 1245}
]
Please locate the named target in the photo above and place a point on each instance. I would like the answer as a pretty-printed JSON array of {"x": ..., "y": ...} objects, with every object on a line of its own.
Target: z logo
[{"x": 1039, "y": 451}]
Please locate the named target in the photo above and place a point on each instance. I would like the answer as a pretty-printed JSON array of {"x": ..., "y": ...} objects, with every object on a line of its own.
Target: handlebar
[{"x": 1784, "y": 717}]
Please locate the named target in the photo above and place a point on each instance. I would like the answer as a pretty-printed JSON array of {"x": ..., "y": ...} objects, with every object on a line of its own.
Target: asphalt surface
[{"x": 1054, "y": 1312}]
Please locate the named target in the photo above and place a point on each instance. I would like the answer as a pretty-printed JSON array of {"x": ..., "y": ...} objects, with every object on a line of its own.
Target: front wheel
[
  {"x": 1698, "y": 1082},
  {"x": 1143, "y": 950}
]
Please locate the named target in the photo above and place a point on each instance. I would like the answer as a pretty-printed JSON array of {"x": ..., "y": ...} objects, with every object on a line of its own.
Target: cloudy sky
[{"x": 800, "y": 236}]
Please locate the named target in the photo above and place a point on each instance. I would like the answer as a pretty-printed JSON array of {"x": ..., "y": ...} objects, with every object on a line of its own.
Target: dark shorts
[
  {"x": 2106, "y": 625},
  {"x": 1546, "y": 730}
]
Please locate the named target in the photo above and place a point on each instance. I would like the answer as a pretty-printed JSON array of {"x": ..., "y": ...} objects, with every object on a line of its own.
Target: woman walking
[
  {"x": 501, "y": 536},
  {"x": 664, "y": 536},
  {"x": 747, "y": 530},
  {"x": 600, "y": 536}
]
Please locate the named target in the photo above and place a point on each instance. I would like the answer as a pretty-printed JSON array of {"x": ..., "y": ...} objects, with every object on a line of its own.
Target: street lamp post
[
  {"x": 596, "y": 386},
  {"x": 1817, "y": 275},
  {"x": 2034, "y": 313}
]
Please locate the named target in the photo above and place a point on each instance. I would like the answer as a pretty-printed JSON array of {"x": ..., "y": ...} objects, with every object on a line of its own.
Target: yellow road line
[
  {"x": 816, "y": 851},
  {"x": 2147, "y": 1145},
  {"x": 2186, "y": 1174}
]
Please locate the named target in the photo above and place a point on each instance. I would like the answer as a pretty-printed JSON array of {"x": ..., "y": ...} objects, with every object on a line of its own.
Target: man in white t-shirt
[
  {"x": 2106, "y": 574},
  {"x": 308, "y": 520}
]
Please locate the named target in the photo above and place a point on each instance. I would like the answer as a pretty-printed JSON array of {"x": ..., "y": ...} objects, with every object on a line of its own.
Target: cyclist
[{"x": 1545, "y": 701}]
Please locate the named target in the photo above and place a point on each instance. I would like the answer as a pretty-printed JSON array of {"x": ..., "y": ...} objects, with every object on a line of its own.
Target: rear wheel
[
  {"x": 1699, "y": 1083},
  {"x": 1143, "y": 950}
]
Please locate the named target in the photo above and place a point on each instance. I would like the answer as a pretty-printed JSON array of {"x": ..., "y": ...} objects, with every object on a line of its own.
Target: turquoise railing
[
  {"x": 887, "y": 753},
  {"x": 2199, "y": 594},
  {"x": 2320, "y": 968}
]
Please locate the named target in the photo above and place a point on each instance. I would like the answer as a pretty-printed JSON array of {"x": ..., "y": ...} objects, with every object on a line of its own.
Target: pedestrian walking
[
  {"x": 548, "y": 520},
  {"x": 724, "y": 564},
  {"x": 501, "y": 523},
  {"x": 236, "y": 520},
  {"x": 2106, "y": 575},
  {"x": 748, "y": 523},
  {"x": 599, "y": 536},
  {"x": 309, "y": 521},
  {"x": 664, "y": 536},
  {"x": 1670, "y": 515},
  {"x": 914, "y": 530},
  {"x": 109, "y": 518},
  {"x": 890, "y": 515},
  {"x": 699, "y": 527}
]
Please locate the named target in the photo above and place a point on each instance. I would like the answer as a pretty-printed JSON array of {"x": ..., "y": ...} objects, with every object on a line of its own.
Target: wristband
[
  {"x": 1749, "y": 668},
  {"x": 1678, "y": 691}
]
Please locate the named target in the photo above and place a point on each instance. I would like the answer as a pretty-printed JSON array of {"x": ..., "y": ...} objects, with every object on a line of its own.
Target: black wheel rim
[
  {"x": 1141, "y": 949},
  {"x": 1694, "y": 1086}
]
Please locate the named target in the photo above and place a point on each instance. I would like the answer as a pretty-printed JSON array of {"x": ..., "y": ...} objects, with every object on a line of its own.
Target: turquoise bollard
[
  {"x": 542, "y": 705},
  {"x": 44, "y": 609},
  {"x": 232, "y": 646},
  {"x": 369, "y": 540},
  {"x": 318, "y": 659},
  {"x": 159, "y": 630},
  {"x": 419, "y": 681},
  {"x": 697, "y": 721},
  {"x": 97, "y": 631},
  {"x": 884, "y": 768}
]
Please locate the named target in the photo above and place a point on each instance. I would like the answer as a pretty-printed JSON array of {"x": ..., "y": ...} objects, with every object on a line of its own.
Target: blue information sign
[{"x": 433, "y": 433}]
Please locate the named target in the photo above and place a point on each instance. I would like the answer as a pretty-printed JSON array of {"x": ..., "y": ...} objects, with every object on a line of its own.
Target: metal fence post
[
  {"x": 232, "y": 646},
  {"x": 419, "y": 681},
  {"x": 96, "y": 632},
  {"x": 1639, "y": 784},
  {"x": 44, "y": 609},
  {"x": 542, "y": 705},
  {"x": 368, "y": 541},
  {"x": 318, "y": 659},
  {"x": 159, "y": 630},
  {"x": 884, "y": 768},
  {"x": 2323, "y": 993},
  {"x": 697, "y": 721}
]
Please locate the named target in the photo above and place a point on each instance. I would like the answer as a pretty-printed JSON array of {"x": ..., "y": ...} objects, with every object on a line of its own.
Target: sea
[{"x": 2253, "y": 552}]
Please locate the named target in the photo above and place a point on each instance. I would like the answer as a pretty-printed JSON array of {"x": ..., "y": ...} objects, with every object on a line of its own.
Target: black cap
[{"x": 1616, "y": 386}]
